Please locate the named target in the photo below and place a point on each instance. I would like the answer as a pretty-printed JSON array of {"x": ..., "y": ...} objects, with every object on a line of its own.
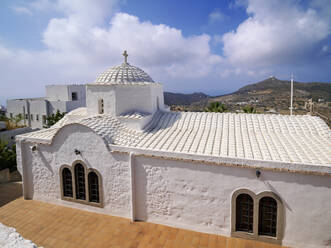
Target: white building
[
  {"x": 263, "y": 177},
  {"x": 58, "y": 97}
]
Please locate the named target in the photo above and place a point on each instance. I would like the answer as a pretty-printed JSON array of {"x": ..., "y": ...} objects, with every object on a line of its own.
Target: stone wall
[{"x": 7, "y": 176}]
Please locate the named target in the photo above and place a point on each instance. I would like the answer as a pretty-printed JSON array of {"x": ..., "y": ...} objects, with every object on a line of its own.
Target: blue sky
[{"x": 210, "y": 46}]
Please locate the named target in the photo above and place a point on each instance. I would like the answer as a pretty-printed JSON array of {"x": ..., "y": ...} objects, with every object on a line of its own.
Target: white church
[{"x": 255, "y": 176}]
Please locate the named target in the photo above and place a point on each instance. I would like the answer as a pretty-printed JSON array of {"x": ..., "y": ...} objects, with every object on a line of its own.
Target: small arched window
[
  {"x": 93, "y": 187},
  {"x": 244, "y": 213},
  {"x": 157, "y": 103},
  {"x": 80, "y": 182},
  {"x": 100, "y": 106},
  {"x": 67, "y": 183},
  {"x": 268, "y": 216}
]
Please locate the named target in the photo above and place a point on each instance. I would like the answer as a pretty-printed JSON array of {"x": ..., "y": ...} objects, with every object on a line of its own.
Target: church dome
[{"x": 123, "y": 74}]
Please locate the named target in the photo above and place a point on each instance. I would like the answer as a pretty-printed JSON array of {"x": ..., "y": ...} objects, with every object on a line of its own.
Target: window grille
[
  {"x": 80, "y": 182},
  {"x": 93, "y": 183},
  {"x": 67, "y": 183},
  {"x": 244, "y": 213},
  {"x": 74, "y": 96},
  {"x": 268, "y": 216}
]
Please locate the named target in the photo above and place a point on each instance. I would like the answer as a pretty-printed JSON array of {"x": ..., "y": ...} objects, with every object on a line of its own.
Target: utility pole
[{"x": 291, "y": 108}]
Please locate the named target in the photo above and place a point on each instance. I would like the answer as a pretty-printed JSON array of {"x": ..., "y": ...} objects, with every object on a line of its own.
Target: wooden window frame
[
  {"x": 268, "y": 216},
  {"x": 250, "y": 217},
  {"x": 87, "y": 196},
  {"x": 256, "y": 200},
  {"x": 63, "y": 197},
  {"x": 89, "y": 185},
  {"x": 77, "y": 181}
]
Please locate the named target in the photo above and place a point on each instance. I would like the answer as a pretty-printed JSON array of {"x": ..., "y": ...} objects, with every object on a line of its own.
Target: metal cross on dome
[{"x": 125, "y": 54}]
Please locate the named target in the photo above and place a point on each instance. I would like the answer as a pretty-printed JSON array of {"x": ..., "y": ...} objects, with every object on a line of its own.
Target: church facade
[{"x": 262, "y": 177}]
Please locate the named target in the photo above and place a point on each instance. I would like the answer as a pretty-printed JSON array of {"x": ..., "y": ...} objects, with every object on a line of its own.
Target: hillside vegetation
[{"x": 270, "y": 95}]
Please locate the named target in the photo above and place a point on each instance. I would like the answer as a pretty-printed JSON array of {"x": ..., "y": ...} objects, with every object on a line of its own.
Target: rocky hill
[
  {"x": 184, "y": 99},
  {"x": 274, "y": 85},
  {"x": 269, "y": 95},
  {"x": 275, "y": 93}
]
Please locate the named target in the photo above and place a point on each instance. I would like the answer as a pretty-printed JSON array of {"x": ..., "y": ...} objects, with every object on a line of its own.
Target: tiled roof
[
  {"x": 281, "y": 138},
  {"x": 123, "y": 74},
  {"x": 134, "y": 115}
]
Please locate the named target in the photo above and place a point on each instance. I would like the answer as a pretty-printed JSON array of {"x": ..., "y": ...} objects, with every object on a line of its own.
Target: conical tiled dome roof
[{"x": 124, "y": 73}]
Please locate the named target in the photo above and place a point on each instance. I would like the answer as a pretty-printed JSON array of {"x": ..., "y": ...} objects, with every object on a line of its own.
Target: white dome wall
[
  {"x": 96, "y": 92},
  {"x": 122, "y": 98}
]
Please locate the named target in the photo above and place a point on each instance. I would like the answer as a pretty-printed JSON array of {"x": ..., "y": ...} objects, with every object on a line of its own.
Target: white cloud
[
  {"x": 22, "y": 10},
  {"x": 89, "y": 36},
  {"x": 276, "y": 32},
  {"x": 80, "y": 45},
  {"x": 216, "y": 16},
  {"x": 36, "y": 6}
]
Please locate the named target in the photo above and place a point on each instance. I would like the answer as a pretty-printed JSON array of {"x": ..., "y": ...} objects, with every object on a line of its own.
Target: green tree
[
  {"x": 249, "y": 109},
  {"x": 52, "y": 119},
  {"x": 7, "y": 156},
  {"x": 216, "y": 107},
  {"x": 3, "y": 117},
  {"x": 17, "y": 119}
]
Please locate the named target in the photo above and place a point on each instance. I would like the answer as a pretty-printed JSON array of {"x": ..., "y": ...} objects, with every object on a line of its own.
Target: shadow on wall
[
  {"x": 169, "y": 119},
  {"x": 140, "y": 186},
  {"x": 9, "y": 192},
  {"x": 45, "y": 162}
]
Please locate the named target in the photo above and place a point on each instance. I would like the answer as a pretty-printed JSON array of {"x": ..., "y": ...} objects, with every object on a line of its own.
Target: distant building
[
  {"x": 58, "y": 97},
  {"x": 2, "y": 110}
]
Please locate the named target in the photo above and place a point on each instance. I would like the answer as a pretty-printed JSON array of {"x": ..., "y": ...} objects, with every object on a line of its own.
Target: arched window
[
  {"x": 93, "y": 187},
  {"x": 244, "y": 213},
  {"x": 80, "y": 182},
  {"x": 268, "y": 216},
  {"x": 100, "y": 106},
  {"x": 67, "y": 183},
  {"x": 157, "y": 103}
]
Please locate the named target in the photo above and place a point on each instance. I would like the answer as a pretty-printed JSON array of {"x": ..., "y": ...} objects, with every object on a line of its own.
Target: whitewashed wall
[
  {"x": 41, "y": 178},
  {"x": 38, "y": 107},
  {"x": 198, "y": 197},
  {"x": 18, "y": 106},
  {"x": 57, "y": 92},
  {"x": 176, "y": 193},
  {"x": 58, "y": 97},
  {"x": 96, "y": 92},
  {"x": 133, "y": 98},
  {"x": 120, "y": 99}
]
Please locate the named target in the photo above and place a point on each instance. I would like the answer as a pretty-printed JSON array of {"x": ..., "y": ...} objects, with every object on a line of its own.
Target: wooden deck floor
[{"x": 50, "y": 225}]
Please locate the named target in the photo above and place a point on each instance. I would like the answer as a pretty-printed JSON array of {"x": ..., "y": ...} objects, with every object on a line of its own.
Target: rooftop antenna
[
  {"x": 291, "y": 108},
  {"x": 125, "y": 54}
]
